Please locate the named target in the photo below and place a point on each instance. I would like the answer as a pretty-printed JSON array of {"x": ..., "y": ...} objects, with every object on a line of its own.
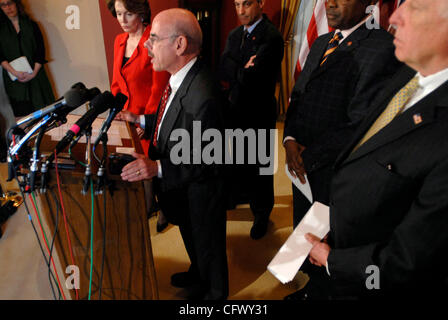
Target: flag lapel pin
[{"x": 417, "y": 118}]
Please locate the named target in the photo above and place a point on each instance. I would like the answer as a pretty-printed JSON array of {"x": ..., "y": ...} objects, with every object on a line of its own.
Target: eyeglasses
[
  {"x": 6, "y": 4},
  {"x": 153, "y": 38}
]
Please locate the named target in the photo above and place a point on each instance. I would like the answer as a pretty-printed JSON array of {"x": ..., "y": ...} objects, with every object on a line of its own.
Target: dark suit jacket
[
  {"x": 251, "y": 92},
  {"x": 389, "y": 202},
  {"x": 329, "y": 102},
  {"x": 197, "y": 99}
]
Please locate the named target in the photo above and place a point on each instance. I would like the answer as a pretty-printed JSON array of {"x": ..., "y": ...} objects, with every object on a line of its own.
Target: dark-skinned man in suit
[
  {"x": 249, "y": 70},
  {"x": 344, "y": 70},
  {"x": 389, "y": 202},
  {"x": 190, "y": 194}
]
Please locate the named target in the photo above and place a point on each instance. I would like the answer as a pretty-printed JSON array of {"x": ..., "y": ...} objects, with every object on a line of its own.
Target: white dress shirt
[
  {"x": 427, "y": 85},
  {"x": 175, "y": 83}
]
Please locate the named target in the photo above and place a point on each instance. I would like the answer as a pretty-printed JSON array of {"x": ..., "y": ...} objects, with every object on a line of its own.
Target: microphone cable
[
  {"x": 103, "y": 258},
  {"x": 48, "y": 249},
  {"x": 91, "y": 238},
  {"x": 30, "y": 219},
  {"x": 65, "y": 217},
  {"x": 56, "y": 230}
]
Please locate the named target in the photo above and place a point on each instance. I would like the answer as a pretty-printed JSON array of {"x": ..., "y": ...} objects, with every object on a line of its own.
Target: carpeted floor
[{"x": 24, "y": 274}]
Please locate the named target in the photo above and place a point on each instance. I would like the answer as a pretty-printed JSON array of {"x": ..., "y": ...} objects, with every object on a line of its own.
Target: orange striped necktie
[{"x": 332, "y": 46}]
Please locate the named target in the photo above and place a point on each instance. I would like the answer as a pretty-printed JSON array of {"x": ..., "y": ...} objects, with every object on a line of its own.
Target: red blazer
[{"x": 137, "y": 80}]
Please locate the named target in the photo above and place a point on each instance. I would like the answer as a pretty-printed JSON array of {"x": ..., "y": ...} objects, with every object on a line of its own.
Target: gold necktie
[{"x": 396, "y": 106}]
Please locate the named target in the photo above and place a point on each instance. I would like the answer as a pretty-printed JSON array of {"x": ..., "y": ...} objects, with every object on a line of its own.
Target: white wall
[{"x": 73, "y": 55}]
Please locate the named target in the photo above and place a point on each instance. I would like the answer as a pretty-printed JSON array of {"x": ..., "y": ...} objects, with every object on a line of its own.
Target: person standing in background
[
  {"x": 20, "y": 36},
  {"x": 249, "y": 69},
  {"x": 133, "y": 73}
]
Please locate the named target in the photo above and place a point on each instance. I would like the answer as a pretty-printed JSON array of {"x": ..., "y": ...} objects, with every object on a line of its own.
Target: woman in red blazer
[{"x": 133, "y": 73}]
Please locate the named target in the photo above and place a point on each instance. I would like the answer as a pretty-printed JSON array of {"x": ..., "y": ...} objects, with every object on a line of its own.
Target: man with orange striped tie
[
  {"x": 343, "y": 72},
  {"x": 389, "y": 194}
]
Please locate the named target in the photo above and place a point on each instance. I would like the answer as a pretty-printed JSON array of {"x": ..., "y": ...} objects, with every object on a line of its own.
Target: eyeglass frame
[
  {"x": 154, "y": 38},
  {"x": 7, "y": 4}
]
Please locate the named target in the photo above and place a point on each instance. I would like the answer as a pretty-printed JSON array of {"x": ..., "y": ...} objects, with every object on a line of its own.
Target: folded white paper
[
  {"x": 295, "y": 250},
  {"x": 20, "y": 64},
  {"x": 304, "y": 188}
]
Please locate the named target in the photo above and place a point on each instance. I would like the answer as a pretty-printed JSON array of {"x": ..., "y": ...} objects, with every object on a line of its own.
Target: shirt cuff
[
  {"x": 288, "y": 138},
  {"x": 328, "y": 270},
  {"x": 142, "y": 122},
  {"x": 159, "y": 171}
]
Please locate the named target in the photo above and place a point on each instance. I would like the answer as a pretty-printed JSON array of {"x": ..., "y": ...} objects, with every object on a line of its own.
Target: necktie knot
[
  {"x": 245, "y": 35},
  {"x": 332, "y": 46}
]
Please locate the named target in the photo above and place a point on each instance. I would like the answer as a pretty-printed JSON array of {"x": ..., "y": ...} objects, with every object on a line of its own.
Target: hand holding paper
[{"x": 294, "y": 251}]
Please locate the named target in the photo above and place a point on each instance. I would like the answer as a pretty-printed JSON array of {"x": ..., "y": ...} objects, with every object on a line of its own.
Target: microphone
[
  {"x": 99, "y": 104},
  {"x": 72, "y": 99},
  {"x": 118, "y": 103}
]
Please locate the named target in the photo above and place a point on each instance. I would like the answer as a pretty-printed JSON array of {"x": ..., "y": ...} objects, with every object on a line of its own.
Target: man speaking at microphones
[{"x": 189, "y": 195}]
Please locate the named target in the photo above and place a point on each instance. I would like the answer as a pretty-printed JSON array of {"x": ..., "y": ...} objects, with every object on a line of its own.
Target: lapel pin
[
  {"x": 417, "y": 118},
  {"x": 349, "y": 43},
  {"x": 253, "y": 38}
]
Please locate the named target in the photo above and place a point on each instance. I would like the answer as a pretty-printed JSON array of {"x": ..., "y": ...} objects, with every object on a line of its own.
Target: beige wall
[{"x": 74, "y": 55}]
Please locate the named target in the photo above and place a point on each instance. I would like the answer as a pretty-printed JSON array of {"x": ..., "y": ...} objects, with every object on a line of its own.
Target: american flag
[{"x": 319, "y": 26}]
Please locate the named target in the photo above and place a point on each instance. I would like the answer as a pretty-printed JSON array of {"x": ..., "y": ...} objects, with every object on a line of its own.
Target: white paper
[
  {"x": 295, "y": 250},
  {"x": 304, "y": 188},
  {"x": 20, "y": 64}
]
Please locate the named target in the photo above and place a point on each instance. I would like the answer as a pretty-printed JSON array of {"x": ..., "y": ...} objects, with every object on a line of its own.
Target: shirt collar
[
  {"x": 177, "y": 78},
  {"x": 252, "y": 27},
  {"x": 433, "y": 81}
]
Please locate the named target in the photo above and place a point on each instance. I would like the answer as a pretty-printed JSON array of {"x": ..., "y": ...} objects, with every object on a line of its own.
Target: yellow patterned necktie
[
  {"x": 332, "y": 46},
  {"x": 396, "y": 106}
]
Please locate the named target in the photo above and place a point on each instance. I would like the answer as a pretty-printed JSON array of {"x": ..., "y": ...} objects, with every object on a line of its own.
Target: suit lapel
[
  {"x": 348, "y": 45},
  {"x": 419, "y": 115},
  {"x": 119, "y": 63},
  {"x": 378, "y": 106},
  {"x": 176, "y": 107}
]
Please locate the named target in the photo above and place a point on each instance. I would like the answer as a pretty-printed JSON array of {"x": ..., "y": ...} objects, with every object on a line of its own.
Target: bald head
[{"x": 182, "y": 22}]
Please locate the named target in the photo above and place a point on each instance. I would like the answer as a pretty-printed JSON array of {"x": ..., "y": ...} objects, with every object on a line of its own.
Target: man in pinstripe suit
[
  {"x": 343, "y": 72},
  {"x": 332, "y": 95},
  {"x": 389, "y": 199}
]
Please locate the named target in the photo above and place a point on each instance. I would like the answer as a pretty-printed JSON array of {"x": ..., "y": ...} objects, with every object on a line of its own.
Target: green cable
[
  {"x": 71, "y": 156},
  {"x": 38, "y": 214},
  {"x": 91, "y": 239}
]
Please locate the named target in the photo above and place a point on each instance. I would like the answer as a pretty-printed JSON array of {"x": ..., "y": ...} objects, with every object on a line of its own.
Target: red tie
[{"x": 166, "y": 95}]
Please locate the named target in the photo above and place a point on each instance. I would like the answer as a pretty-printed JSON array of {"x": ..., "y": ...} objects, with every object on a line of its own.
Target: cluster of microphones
[{"x": 34, "y": 126}]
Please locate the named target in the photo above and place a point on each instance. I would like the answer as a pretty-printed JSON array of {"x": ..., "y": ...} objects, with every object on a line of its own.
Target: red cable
[
  {"x": 65, "y": 217},
  {"x": 46, "y": 245}
]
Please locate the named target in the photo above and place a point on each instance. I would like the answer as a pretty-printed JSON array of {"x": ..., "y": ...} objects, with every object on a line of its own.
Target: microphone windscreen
[
  {"x": 74, "y": 98},
  {"x": 102, "y": 102},
  {"x": 92, "y": 93},
  {"x": 120, "y": 100},
  {"x": 79, "y": 85}
]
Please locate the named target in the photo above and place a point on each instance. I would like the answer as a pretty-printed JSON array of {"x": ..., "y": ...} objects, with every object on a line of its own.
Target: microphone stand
[
  {"x": 88, "y": 172},
  {"x": 102, "y": 176}
]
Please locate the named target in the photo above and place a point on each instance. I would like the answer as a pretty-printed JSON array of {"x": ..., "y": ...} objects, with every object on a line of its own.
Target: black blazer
[
  {"x": 197, "y": 99},
  {"x": 389, "y": 200},
  {"x": 329, "y": 102},
  {"x": 251, "y": 91}
]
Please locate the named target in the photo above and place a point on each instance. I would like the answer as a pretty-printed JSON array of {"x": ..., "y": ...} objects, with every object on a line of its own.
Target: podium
[{"x": 122, "y": 263}]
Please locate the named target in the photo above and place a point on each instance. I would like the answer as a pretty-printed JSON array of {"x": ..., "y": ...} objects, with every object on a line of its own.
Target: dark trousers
[
  {"x": 203, "y": 228},
  {"x": 246, "y": 185}
]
